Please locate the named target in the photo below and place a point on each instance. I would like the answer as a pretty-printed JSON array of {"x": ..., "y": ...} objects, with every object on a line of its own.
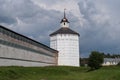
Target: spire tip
[{"x": 64, "y": 13}]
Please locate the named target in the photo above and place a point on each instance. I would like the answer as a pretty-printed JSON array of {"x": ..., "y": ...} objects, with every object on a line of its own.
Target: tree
[{"x": 95, "y": 60}]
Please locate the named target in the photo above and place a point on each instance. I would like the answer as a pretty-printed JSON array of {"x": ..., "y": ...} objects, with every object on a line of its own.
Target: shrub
[{"x": 95, "y": 60}]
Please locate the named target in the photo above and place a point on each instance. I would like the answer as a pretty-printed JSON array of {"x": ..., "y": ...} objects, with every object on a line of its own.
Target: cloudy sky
[{"x": 97, "y": 21}]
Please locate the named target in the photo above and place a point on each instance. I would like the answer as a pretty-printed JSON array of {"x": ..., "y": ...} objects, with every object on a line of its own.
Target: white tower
[{"x": 66, "y": 41}]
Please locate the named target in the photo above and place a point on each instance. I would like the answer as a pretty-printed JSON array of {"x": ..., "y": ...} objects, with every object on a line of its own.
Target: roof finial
[
  {"x": 64, "y": 13},
  {"x": 64, "y": 18}
]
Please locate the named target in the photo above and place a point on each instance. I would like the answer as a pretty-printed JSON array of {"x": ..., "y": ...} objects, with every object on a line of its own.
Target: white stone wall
[
  {"x": 10, "y": 56},
  {"x": 18, "y": 50},
  {"x": 8, "y": 62},
  {"x": 109, "y": 63},
  {"x": 68, "y": 47}
]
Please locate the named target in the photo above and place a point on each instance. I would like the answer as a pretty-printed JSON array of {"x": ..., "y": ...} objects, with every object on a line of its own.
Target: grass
[{"x": 59, "y": 73}]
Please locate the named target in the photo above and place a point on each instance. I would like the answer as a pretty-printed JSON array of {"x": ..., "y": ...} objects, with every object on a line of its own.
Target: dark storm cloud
[
  {"x": 29, "y": 19},
  {"x": 6, "y": 19},
  {"x": 101, "y": 22},
  {"x": 98, "y": 31},
  {"x": 5, "y": 16}
]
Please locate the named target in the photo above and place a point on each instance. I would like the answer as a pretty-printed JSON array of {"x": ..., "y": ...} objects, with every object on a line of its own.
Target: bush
[{"x": 95, "y": 60}]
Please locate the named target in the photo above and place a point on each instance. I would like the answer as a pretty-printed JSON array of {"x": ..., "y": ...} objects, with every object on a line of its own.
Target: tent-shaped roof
[{"x": 64, "y": 31}]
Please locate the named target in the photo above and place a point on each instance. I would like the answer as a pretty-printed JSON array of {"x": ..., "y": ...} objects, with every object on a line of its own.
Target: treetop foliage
[
  {"x": 95, "y": 60},
  {"x": 111, "y": 55}
]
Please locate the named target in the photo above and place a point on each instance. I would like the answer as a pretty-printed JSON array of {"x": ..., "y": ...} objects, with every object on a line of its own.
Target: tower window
[{"x": 64, "y": 23}]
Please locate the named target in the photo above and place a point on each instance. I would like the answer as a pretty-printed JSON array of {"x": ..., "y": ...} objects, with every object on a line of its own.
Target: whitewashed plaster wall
[
  {"x": 17, "y": 50},
  {"x": 68, "y": 47},
  {"x": 10, "y": 56}
]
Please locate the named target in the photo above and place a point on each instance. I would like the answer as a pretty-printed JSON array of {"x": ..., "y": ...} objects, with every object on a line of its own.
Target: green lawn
[{"x": 59, "y": 73}]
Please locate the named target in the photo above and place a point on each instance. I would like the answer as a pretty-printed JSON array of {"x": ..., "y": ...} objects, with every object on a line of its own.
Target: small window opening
[{"x": 64, "y": 23}]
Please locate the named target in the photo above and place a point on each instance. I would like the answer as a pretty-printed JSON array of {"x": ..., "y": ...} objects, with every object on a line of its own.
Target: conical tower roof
[{"x": 64, "y": 31}]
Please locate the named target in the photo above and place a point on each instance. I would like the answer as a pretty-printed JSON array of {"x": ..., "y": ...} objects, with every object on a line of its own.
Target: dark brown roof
[{"x": 64, "y": 31}]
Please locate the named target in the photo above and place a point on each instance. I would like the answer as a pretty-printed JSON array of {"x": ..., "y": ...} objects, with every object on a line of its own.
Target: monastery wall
[{"x": 19, "y": 50}]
